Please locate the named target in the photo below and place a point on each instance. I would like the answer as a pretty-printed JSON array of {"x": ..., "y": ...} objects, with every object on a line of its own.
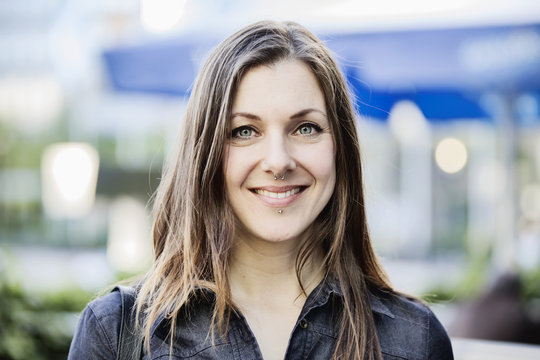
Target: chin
[
  {"x": 275, "y": 230},
  {"x": 272, "y": 235},
  {"x": 277, "y": 238}
]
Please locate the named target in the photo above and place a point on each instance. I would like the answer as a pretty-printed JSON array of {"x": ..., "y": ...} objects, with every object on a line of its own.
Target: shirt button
[{"x": 303, "y": 323}]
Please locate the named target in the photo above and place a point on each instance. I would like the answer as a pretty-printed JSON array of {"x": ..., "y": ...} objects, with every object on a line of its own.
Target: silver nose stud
[{"x": 282, "y": 176}]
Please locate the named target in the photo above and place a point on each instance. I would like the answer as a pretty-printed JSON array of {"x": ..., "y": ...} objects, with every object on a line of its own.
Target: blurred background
[{"x": 448, "y": 94}]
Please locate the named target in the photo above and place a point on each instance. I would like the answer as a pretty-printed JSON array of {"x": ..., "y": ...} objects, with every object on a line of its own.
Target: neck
[{"x": 264, "y": 270}]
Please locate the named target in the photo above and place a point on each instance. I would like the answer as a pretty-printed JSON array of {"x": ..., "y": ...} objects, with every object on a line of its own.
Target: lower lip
[{"x": 282, "y": 202}]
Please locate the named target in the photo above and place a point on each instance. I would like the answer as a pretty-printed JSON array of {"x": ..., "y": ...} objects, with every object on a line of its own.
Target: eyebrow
[{"x": 297, "y": 115}]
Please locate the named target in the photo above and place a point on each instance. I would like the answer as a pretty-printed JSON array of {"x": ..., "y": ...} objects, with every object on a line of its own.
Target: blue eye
[
  {"x": 242, "y": 132},
  {"x": 308, "y": 129},
  {"x": 305, "y": 130}
]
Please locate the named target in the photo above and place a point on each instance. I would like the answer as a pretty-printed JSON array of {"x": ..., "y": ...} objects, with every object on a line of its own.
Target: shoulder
[
  {"x": 107, "y": 306},
  {"x": 96, "y": 336},
  {"x": 408, "y": 329}
]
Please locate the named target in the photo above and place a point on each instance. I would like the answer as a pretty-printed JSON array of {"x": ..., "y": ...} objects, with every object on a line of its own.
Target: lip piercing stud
[{"x": 280, "y": 211}]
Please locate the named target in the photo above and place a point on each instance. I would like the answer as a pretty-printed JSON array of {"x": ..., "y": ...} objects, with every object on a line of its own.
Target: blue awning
[{"x": 444, "y": 71}]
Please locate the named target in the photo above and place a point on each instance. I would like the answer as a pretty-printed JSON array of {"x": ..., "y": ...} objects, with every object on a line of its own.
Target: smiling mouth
[{"x": 278, "y": 195}]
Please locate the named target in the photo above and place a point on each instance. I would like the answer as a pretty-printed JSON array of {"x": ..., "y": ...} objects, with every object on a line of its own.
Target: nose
[{"x": 277, "y": 157}]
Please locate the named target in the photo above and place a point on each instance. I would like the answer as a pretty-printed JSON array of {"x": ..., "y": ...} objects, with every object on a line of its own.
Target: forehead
[{"x": 287, "y": 85}]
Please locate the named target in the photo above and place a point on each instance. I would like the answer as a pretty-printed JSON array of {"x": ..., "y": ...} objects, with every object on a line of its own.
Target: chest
[
  {"x": 304, "y": 339},
  {"x": 272, "y": 328},
  {"x": 312, "y": 336}
]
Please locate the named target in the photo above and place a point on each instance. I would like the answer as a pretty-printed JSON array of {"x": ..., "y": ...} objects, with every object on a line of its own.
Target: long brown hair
[{"x": 194, "y": 225}]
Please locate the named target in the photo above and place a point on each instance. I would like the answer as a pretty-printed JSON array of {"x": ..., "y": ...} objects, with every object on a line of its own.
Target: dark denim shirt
[{"x": 406, "y": 329}]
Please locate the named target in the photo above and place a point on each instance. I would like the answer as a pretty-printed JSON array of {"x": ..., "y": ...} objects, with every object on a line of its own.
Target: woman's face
[{"x": 279, "y": 127}]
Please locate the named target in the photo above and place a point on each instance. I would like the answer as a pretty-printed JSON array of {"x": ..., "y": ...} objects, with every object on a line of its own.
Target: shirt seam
[
  {"x": 99, "y": 321},
  {"x": 190, "y": 355}
]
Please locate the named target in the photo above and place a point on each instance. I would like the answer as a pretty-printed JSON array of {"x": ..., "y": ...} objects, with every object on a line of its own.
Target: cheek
[
  {"x": 323, "y": 163},
  {"x": 329, "y": 183},
  {"x": 326, "y": 169},
  {"x": 235, "y": 166},
  {"x": 227, "y": 171},
  {"x": 331, "y": 178}
]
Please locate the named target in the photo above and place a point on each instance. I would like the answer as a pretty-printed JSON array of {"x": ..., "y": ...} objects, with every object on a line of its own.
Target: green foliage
[
  {"x": 475, "y": 279},
  {"x": 37, "y": 327},
  {"x": 472, "y": 282},
  {"x": 531, "y": 284}
]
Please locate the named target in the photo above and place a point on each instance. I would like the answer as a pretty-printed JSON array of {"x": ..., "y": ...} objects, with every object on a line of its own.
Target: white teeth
[{"x": 277, "y": 195}]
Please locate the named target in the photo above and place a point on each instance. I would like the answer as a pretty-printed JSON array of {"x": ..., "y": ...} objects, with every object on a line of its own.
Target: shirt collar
[
  {"x": 199, "y": 292},
  {"x": 377, "y": 304},
  {"x": 320, "y": 295},
  {"x": 160, "y": 319}
]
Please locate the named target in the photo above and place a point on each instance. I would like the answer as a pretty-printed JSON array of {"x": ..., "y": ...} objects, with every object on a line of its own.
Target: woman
[{"x": 261, "y": 243}]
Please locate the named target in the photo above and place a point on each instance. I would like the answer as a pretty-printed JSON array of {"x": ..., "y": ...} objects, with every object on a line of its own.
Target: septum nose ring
[{"x": 282, "y": 176}]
